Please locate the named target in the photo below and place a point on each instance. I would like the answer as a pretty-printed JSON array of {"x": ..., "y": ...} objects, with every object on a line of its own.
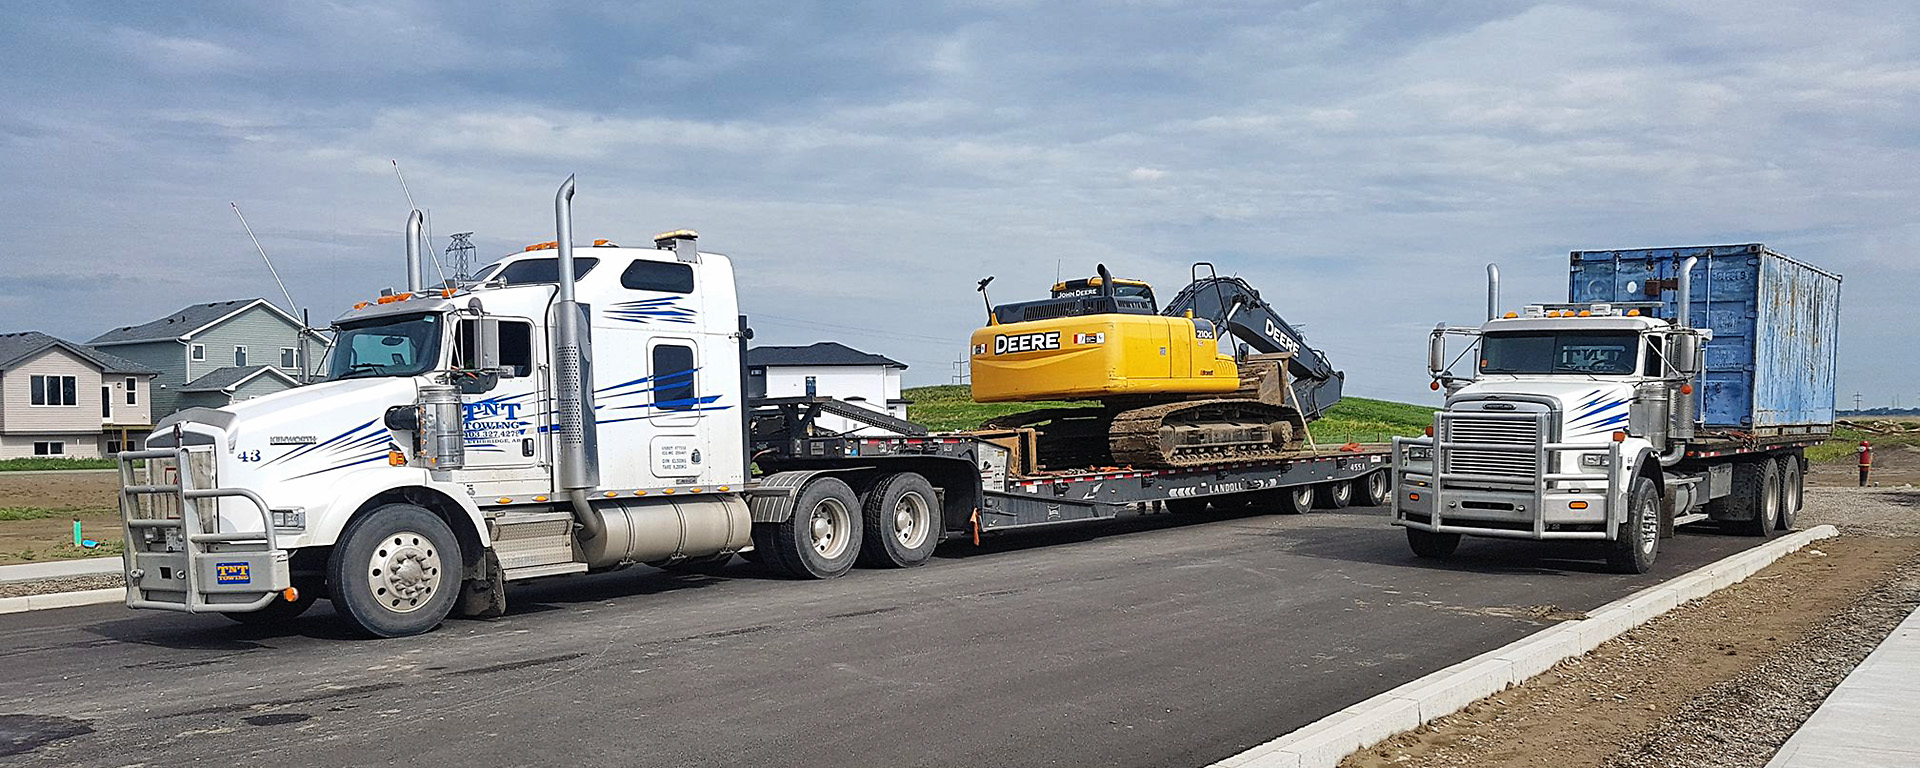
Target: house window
[
  {"x": 673, "y": 378},
  {"x": 54, "y": 390},
  {"x": 286, "y": 358},
  {"x": 133, "y": 391},
  {"x": 50, "y": 448},
  {"x": 813, "y": 386},
  {"x": 197, "y": 352},
  {"x": 106, "y": 401},
  {"x": 240, "y": 356},
  {"x": 113, "y": 446}
]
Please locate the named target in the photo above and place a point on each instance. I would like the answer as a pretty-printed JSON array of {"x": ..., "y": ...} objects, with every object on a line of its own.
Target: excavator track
[{"x": 1198, "y": 432}]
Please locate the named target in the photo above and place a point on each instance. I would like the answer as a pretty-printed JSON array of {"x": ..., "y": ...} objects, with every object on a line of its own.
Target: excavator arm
[{"x": 1231, "y": 303}]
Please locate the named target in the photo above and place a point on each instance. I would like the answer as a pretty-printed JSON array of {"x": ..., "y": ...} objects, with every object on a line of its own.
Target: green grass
[
  {"x": 112, "y": 547},
  {"x": 10, "y": 514},
  {"x": 1840, "y": 449},
  {"x": 43, "y": 463},
  {"x": 1354, "y": 420}
]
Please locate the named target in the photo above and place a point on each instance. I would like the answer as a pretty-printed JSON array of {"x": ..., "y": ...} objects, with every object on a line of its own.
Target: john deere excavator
[{"x": 1171, "y": 394}]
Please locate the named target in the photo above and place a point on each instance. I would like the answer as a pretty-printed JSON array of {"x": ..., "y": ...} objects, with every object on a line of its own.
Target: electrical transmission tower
[{"x": 460, "y": 253}]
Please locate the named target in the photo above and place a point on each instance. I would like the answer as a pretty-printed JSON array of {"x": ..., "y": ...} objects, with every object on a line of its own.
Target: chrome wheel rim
[
  {"x": 1343, "y": 491},
  {"x": 1770, "y": 505},
  {"x": 829, "y": 528},
  {"x": 911, "y": 518},
  {"x": 1649, "y": 524},
  {"x": 1377, "y": 485},
  {"x": 1303, "y": 497},
  {"x": 404, "y": 571}
]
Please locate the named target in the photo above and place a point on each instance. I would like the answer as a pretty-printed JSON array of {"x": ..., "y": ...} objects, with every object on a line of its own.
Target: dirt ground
[
  {"x": 1892, "y": 465},
  {"x": 1720, "y": 682},
  {"x": 86, "y": 495}
]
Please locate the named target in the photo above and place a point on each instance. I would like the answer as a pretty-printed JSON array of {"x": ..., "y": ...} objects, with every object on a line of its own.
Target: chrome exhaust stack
[
  {"x": 1493, "y": 291},
  {"x": 414, "y": 223},
  {"x": 577, "y": 441}
]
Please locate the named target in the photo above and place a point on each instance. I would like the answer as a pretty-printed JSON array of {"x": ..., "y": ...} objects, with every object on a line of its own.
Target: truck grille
[{"x": 1494, "y": 463}]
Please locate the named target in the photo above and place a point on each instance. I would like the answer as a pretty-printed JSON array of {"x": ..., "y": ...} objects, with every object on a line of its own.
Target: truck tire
[
  {"x": 1373, "y": 490},
  {"x": 1638, "y": 543},
  {"x": 821, "y": 539},
  {"x": 278, "y": 611},
  {"x": 1754, "y": 504},
  {"x": 1434, "y": 546},
  {"x": 1297, "y": 500},
  {"x": 395, "y": 571},
  {"x": 1336, "y": 495},
  {"x": 901, "y": 515},
  {"x": 1792, "y": 491}
]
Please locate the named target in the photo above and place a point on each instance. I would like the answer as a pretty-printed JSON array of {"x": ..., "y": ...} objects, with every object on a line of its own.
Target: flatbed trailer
[{"x": 984, "y": 490}]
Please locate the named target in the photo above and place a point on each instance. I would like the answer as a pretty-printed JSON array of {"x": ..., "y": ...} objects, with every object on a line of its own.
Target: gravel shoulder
[{"x": 1720, "y": 682}]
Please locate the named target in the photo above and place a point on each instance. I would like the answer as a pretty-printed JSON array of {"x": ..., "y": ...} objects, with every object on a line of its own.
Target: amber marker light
[
  {"x": 1619, "y": 437},
  {"x": 1576, "y": 505},
  {"x": 290, "y": 594}
]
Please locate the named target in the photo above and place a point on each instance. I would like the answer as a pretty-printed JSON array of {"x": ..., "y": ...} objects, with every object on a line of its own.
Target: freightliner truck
[
  {"x": 1675, "y": 386},
  {"x": 581, "y": 409}
]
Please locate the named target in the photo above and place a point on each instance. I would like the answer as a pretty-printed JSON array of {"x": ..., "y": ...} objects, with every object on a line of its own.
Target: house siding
[
  {"x": 170, "y": 359},
  {"x": 873, "y": 387},
  {"x": 79, "y": 445},
  {"x": 140, "y": 413},
  {"x": 262, "y": 331},
  {"x": 24, "y": 418}
]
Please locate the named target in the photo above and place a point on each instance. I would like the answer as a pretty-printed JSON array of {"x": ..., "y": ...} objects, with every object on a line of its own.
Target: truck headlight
[
  {"x": 1595, "y": 460},
  {"x": 1420, "y": 453},
  {"x": 290, "y": 519}
]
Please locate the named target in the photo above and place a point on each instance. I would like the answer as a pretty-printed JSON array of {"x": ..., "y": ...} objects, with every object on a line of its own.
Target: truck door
[
  {"x": 506, "y": 454},
  {"x": 680, "y": 453}
]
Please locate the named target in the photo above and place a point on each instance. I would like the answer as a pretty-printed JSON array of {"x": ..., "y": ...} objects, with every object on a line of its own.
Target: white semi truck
[
  {"x": 1676, "y": 385},
  {"x": 582, "y": 409}
]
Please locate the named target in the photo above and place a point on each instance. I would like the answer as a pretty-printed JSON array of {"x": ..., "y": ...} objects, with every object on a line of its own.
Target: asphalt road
[{"x": 1150, "y": 642}]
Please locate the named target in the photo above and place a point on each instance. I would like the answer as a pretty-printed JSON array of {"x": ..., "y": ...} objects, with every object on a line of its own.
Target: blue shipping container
[{"x": 1770, "y": 366}]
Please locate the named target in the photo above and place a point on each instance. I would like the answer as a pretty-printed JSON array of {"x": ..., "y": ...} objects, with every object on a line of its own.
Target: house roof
[
  {"x": 231, "y": 377},
  {"x": 186, "y": 322},
  {"x": 17, "y": 347},
  {"x": 822, "y": 353}
]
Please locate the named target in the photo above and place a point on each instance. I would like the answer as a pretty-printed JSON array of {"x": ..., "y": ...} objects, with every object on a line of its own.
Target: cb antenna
[
  {"x": 428, "y": 237},
  {"x": 291, "y": 309}
]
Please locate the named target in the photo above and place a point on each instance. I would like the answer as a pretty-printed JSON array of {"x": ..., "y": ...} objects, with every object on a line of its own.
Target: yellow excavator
[{"x": 1171, "y": 394}]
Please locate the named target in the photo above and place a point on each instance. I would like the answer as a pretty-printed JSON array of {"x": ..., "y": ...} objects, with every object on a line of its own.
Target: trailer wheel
[
  {"x": 1754, "y": 505},
  {"x": 1373, "y": 490},
  {"x": 1434, "y": 546},
  {"x": 1338, "y": 495},
  {"x": 1792, "y": 491},
  {"x": 278, "y": 611},
  {"x": 901, "y": 518},
  {"x": 1638, "y": 543},
  {"x": 1297, "y": 500},
  {"x": 821, "y": 539},
  {"x": 396, "y": 571}
]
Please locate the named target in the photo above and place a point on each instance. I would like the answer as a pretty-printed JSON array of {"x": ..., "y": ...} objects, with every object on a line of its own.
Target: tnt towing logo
[
  {"x": 493, "y": 420},
  {"x": 1025, "y": 342},
  {"x": 232, "y": 573}
]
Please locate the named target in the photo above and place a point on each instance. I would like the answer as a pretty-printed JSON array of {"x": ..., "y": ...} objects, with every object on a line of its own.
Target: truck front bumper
[
  {"x": 1546, "y": 505},
  {"x": 176, "y": 558}
]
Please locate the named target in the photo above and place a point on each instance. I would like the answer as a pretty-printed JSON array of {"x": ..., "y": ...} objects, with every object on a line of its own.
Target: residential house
[
  {"x": 831, "y": 369},
  {"x": 214, "y": 353},
  {"x": 48, "y": 405}
]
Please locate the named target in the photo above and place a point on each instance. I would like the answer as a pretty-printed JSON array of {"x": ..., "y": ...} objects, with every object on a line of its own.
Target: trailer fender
[
  {"x": 777, "y": 507},
  {"x": 354, "y": 491}
]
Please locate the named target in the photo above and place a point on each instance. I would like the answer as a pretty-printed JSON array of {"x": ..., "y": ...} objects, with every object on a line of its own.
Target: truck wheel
[
  {"x": 821, "y": 539},
  {"x": 1792, "y": 491},
  {"x": 278, "y": 611},
  {"x": 395, "y": 571},
  {"x": 1436, "y": 546},
  {"x": 1333, "y": 495},
  {"x": 1297, "y": 500},
  {"x": 1638, "y": 543},
  {"x": 1373, "y": 490},
  {"x": 901, "y": 514},
  {"x": 1755, "y": 501}
]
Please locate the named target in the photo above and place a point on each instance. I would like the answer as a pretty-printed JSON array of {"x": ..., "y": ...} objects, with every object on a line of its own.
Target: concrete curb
[
  {"x": 61, "y": 569},
  {"x": 62, "y": 600},
  {"x": 1325, "y": 742}
]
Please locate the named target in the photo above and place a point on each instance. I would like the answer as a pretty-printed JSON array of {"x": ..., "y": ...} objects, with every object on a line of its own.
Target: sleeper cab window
[{"x": 662, "y": 276}]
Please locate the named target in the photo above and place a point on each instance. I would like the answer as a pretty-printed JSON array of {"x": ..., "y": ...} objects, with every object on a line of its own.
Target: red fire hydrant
[{"x": 1866, "y": 461}]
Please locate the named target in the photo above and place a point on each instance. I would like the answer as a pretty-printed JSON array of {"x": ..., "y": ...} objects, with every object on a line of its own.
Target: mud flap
[{"x": 484, "y": 597}]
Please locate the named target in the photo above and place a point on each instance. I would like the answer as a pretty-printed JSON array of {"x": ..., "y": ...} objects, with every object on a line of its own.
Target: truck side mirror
[
  {"x": 1683, "y": 353},
  {"x": 1437, "y": 352},
  {"x": 486, "y": 344}
]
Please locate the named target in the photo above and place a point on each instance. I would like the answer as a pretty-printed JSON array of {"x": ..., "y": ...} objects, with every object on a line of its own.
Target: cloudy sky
[{"x": 866, "y": 163}]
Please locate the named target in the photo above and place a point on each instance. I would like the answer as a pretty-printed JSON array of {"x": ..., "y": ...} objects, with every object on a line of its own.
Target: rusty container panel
[{"x": 1775, "y": 321}]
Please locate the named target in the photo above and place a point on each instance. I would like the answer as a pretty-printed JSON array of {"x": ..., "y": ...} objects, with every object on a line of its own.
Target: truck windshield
[
  {"x": 403, "y": 345},
  {"x": 1589, "y": 352}
]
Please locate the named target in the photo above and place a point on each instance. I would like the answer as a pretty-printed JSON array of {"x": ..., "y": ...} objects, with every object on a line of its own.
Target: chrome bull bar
[
  {"x": 211, "y": 571},
  {"x": 1443, "y": 488}
]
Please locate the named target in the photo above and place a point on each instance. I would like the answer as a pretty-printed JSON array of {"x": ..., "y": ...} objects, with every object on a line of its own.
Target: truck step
[
  {"x": 1692, "y": 518},
  {"x": 534, "y": 540},
  {"x": 537, "y": 571}
]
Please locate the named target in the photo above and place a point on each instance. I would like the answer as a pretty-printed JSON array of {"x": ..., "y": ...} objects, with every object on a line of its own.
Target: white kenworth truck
[
  {"x": 1677, "y": 385},
  {"x": 568, "y": 412}
]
